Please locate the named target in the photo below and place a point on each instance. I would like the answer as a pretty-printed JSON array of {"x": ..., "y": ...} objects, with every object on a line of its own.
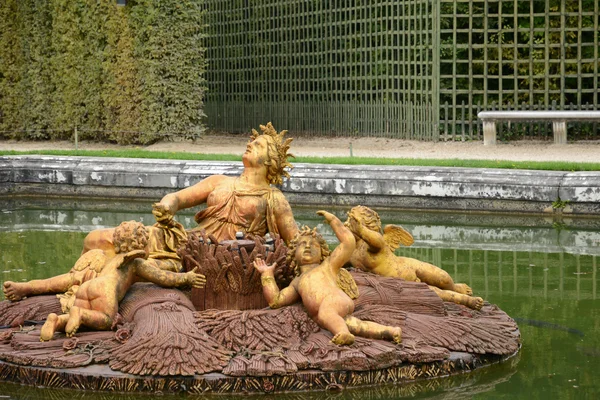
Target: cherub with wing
[
  {"x": 374, "y": 253},
  {"x": 96, "y": 301},
  {"x": 324, "y": 290}
]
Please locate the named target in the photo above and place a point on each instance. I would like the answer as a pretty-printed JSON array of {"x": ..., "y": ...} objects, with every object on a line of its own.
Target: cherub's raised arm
[
  {"x": 341, "y": 255},
  {"x": 275, "y": 297},
  {"x": 374, "y": 239}
]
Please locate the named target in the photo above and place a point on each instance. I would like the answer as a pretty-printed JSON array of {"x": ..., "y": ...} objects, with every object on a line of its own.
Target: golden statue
[
  {"x": 224, "y": 327},
  {"x": 317, "y": 285},
  {"x": 375, "y": 253},
  {"x": 96, "y": 301},
  {"x": 247, "y": 203}
]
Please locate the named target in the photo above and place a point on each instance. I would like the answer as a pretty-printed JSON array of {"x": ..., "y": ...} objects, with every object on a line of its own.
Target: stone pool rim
[{"x": 554, "y": 193}]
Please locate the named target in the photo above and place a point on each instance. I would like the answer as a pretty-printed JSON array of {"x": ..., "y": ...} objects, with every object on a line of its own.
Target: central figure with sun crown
[{"x": 247, "y": 203}]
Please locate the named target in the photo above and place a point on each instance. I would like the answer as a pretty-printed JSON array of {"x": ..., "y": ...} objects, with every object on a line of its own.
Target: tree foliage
[
  {"x": 167, "y": 42},
  {"x": 127, "y": 74}
]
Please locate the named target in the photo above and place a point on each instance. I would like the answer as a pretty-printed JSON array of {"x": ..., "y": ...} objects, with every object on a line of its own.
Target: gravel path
[{"x": 583, "y": 151}]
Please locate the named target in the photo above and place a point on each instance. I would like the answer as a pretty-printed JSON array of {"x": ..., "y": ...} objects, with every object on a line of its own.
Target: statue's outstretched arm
[
  {"x": 286, "y": 224},
  {"x": 342, "y": 254},
  {"x": 185, "y": 198},
  {"x": 279, "y": 298},
  {"x": 167, "y": 278}
]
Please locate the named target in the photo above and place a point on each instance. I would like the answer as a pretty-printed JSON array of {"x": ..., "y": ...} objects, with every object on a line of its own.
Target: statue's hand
[
  {"x": 327, "y": 215},
  {"x": 261, "y": 266},
  {"x": 163, "y": 213},
  {"x": 195, "y": 279}
]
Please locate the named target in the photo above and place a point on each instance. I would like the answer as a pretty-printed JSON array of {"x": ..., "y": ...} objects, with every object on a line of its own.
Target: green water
[{"x": 542, "y": 272}]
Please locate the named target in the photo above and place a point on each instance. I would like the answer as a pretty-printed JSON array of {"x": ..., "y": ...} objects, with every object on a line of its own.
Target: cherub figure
[
  {"x": 374, "y": 253},
  {"x": 96, "y": 301},
  {"x": 86, "y": 267},
  {"x": 316, "y": 285}
]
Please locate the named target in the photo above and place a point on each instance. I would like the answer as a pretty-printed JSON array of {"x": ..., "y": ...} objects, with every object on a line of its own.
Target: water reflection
[{"x": 541, "y": 271}]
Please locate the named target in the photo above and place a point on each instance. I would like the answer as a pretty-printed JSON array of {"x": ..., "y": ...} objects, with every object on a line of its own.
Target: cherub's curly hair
[
  {"x": 366, "y": 217},
  {"x": 129, "y": 236},
  {"x": 277, "y": 149},
  {"x": 305, "y": 231}
]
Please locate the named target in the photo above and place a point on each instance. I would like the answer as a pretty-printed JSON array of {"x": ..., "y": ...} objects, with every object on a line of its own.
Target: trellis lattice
[
  {"x": 516, "y": 54},
  {"x": 328, "y": 67},
  {"x": 414, "y": 69}
]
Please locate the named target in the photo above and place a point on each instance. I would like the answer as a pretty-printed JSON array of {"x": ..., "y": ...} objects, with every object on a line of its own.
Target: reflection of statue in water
[
  {"x": 375, "y": 253},
  {"x": 317, "y": 285},
  {"x": 96, "y": 301},
  {"x": 247, "y": 203}
]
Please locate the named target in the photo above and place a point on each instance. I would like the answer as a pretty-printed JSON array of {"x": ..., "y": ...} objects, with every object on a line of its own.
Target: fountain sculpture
[{"x": 242, "y": 327}]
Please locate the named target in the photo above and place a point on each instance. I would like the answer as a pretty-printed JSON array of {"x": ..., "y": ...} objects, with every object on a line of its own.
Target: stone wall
[{"x": 398, "y": 187}]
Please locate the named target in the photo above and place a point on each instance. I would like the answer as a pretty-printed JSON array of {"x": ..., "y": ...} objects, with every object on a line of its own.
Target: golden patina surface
[
  {"x": 317, "y": 285},
  {"x": 374, "y": 253},
  {"x": 246, "y": 203},
  {"x": 324, "y": 318},
  {"x": 95, "y": 303}
]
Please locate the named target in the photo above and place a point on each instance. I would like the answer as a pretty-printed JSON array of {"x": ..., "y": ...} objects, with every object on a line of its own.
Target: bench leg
[
  {"x": 560, "y": 132},
  {"x": 489, "y": 133}
]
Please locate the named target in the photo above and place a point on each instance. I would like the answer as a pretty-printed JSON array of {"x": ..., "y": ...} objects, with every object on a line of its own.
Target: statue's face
[
  {"x": 256, "y": 152},
  {"x": 308, "y": 251}
]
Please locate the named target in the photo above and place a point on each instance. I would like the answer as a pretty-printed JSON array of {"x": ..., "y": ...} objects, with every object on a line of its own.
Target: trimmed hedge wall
[{"x": 130, "y": 74}]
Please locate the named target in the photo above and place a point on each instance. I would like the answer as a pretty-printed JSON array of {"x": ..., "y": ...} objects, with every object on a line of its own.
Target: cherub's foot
[
  {"x": 343, "y": 339},
  {"x": 47, "y": 331},
  {"x": 475, "y": 303},
  {"x": 14, "y": 291},
  {"x": 397, "y": 335},
  {"x": 463, "y": 288},
  {"x": 74, "y": 321}
]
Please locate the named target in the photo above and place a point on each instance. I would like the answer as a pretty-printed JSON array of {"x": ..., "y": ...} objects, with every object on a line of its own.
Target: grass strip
[{"x": 425, "y": 162}]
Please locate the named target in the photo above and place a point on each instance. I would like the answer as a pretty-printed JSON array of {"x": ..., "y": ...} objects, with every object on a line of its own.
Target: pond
[{"x": 542, "y": 271}]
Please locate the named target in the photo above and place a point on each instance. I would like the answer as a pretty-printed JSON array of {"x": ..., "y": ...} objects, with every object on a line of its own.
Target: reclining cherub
[
  {"x": 374, "y": 253},
  {"x": 316, "y": 285},
  {"x": 86, "y": 267},
  {"x": 96, "y": 301}
]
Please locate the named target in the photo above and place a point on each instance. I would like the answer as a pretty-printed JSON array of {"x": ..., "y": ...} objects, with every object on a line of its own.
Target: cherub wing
[
  {"x": 346, "y": 282},
  {"x": 395, "y": 235},
  {"x": 133, "y": 255},
  {"x": 93, "y": 260},
  {"x": 123, "y": 259}
]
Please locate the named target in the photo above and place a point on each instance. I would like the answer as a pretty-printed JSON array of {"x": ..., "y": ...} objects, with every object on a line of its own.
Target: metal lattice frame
[
  {"x": 398, "y": 68},
  {"x": 327, "y": 67},
  {"x": 510, "y": 54}
]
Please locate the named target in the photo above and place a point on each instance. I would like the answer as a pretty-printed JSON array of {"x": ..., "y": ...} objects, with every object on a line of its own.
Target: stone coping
[{"x": 399, "y": 187}]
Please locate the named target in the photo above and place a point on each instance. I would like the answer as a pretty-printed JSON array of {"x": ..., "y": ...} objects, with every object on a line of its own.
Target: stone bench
[{"x": 559, "y": 121}]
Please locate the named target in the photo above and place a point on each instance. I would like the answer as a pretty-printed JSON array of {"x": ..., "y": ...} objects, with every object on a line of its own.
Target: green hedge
[{"x": 130, "y": 74}]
